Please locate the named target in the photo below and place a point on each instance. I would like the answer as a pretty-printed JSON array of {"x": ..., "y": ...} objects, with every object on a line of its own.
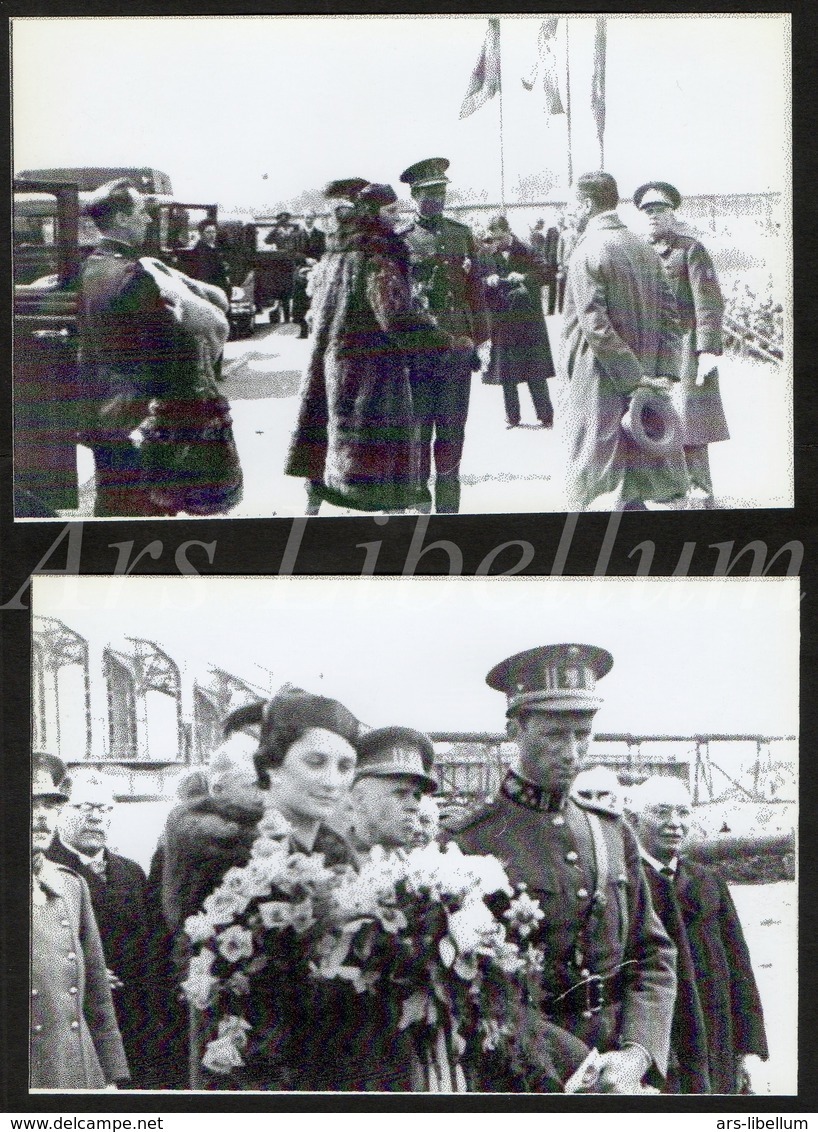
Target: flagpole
[
  {"x": 568, "y": 104},
  {"x": 500, "y": 92}
]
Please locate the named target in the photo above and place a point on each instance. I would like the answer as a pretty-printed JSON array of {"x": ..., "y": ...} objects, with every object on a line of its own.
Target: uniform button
[
  {"x": 71, "y": 955},
  {"x": 571, "y": 856},
  {"x": 34, "y": 993},
  {"x": 72, "y": 990},
  {"x": 558, "y": 820},
  {"x": 64, "y": 923},
  {"x": 75, "y": 1025},
  {"x": 37, "y": 1028},
  {"x": 584, "y": 973},
  {"x": 582, "y": 893}
]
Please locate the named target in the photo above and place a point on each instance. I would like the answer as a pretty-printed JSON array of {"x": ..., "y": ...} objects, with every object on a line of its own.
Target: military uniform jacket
[
  {"x": 553, "y": 854},
  {"x": 446, "y": 276},
  {"x": 75, "y": 1042}
]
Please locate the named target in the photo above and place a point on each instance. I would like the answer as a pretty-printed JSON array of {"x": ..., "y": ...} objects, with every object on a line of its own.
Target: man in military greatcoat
[
  {"x": 709, "y": 1056},
  {"x": 75, "y": 1041},
  {"x": 609, "y": 967},
  {"x": 447, "y": 281}
]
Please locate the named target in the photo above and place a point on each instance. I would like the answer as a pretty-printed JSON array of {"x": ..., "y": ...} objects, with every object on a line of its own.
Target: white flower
[
  {"x": 524, "y": 914},
  {"x": 221, "y": 1056},
  {"x": 200, "y": 984},
  {"x": 235, "y": 1028},
  {"x": 473, "y": 927},
  {"x": 222, "y": 906},
  {"x": 199, "y": 928},
  {"x": 301, "y": 916},
  {"x": 235, "y": 943},
  {"x": 275, "y": 914}
]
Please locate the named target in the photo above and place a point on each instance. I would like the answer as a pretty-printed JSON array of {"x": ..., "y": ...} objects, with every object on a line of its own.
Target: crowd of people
[
  {"x": 400, "y": 315},
  {"x": 640, "y": 977}
]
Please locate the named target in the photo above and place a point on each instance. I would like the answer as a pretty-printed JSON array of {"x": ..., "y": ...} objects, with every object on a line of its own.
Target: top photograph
[{"x": 273, "y": 266}]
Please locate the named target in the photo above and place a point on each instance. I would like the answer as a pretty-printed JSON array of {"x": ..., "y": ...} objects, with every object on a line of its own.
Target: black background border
[{"x": 332, "y": 546}]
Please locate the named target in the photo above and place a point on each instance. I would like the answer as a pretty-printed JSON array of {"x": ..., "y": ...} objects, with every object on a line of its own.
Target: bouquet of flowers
[
  {"x": 415, "y": 927},
  {"x": 263, "y": 919}
]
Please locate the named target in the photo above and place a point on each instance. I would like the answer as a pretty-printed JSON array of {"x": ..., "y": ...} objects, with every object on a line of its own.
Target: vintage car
[{"x": 50, "y": 241}]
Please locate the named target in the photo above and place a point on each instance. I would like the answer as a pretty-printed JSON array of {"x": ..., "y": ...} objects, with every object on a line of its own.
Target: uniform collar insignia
[{"x": 528, "y": 794}]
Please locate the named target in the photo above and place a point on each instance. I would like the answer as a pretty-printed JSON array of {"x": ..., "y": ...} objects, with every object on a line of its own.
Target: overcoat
[
  {"x": 615, "y": 934},
  {"x": 132, "y": 938},
  {"x": 520, "y": 349},
  {"x": 727, "y": 988},
  {"x": 354, "y": 435},
  {"x": 619, "y": 325},
  {"x": 688, "y": 1066},
  {"x": 75, "y": 1042},
  {"x": 700, "y": 305}
]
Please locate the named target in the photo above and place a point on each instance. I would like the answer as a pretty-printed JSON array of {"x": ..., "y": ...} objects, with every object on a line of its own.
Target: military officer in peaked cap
[
  {"x": 448, "y": 282},
  {"x": 609, "y": 967},
  {"x": 393, "y": 773}
]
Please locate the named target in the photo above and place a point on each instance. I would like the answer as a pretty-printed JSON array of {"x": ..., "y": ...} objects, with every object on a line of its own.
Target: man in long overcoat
[
  {"x": 695, "y": 286},
  {"x": 129, "y": 928},
  {"x": 75, "y": 1041},
  {"x": 725, "y": 983},
  {"x": 609, "y": 967},
  {"x": 620, "y": 333}
]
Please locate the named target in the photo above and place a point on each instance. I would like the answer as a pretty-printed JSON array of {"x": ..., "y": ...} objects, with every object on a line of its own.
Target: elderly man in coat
[
  {"x": 620, "y": 334},
  {"x": 696, "y": 288},
  {"x": 75, "y": 1041},
  {"x": 724, "y": 981}
]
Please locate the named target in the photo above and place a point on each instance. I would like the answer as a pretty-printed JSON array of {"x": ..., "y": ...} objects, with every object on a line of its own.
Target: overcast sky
[
  {"x": 219, "y": 102},
  {"x": 691, "y": 655}
]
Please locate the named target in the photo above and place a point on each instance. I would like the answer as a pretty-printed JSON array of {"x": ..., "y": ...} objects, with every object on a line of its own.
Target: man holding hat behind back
[
  {"x": 392, "y": 775},
  {"x": 695, "y": 286},
  {"x": 75, "y": 1041},
  {"x": 609, "y": 967},
  {"x": 445, "y": 274}
]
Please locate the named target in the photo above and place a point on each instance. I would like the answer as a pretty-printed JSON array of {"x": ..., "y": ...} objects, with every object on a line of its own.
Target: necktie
[
  {"x": 97, "y": 865},
  {"x": 667, "y": 872}
]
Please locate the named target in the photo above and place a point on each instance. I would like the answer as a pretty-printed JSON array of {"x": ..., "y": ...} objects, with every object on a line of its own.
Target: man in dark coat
[
  {"x": 75, "y": 1040},
  {"x": 724, "y": 980},
  {"x": 314, "y": 246},
  {"x": 288, "y": 239},
  {"x": 130, "y": 933},
  {"x": 609, "y": 966},
  {"x": 620, "y": 334},
  {"x": 206, "y": 261},
  {"x": 700, "y": 305},
  {"x": 447, "y": 280},
  {"x": 520, "y": 351}
]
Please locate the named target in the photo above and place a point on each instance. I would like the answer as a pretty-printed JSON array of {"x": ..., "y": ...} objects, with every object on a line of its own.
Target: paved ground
[{"x": 515, "y": 470}]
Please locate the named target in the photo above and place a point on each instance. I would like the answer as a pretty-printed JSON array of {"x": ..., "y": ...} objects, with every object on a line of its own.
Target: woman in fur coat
[{"x": 353, "y": 440}]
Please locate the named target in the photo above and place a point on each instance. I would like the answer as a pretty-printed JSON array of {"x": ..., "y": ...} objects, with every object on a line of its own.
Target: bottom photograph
[{"x": 460, "y": 835}]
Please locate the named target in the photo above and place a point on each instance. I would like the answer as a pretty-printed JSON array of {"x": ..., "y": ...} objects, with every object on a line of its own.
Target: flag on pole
[
  {"x": 598, "y": 83},
  {"x": 547, "y": 64},
  {"x": 485, "y": 78}
]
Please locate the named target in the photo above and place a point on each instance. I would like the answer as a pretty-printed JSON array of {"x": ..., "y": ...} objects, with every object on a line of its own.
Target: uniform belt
[{"x": 589, "y": 996}]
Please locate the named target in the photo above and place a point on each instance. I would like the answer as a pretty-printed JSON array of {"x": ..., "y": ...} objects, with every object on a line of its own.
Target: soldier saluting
[
  {"x": 447, "y": 281},
  {"x": 609, "y": 968}
]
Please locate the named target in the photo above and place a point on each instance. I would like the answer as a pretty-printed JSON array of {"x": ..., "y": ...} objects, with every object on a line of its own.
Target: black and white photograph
[
  {"x": 273, "y": 266},
  {"x": 419, "y": 835}
]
